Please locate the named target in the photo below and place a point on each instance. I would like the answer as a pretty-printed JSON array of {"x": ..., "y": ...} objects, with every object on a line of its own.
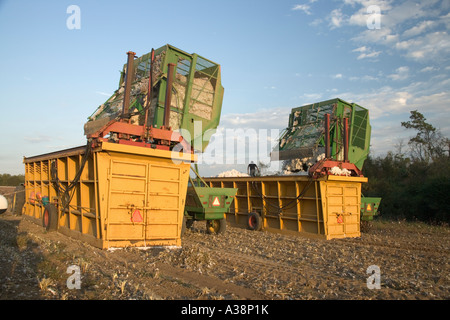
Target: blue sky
[{"x": 275, "y": 55}]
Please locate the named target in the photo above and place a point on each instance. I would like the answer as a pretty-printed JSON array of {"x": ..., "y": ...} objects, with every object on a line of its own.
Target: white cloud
[
  {"x": 302, "y": 7},
  {"x": 361, "y": 49},
  {"x": 380, "y": 102},
  {"x": 432, "y": 96},
  {"x": 311, "y": 97},
  {"x": 316, "y": 22},
  {"x": 366, "y": 52},
  {"x": 336, "y": 18},
  {"x": 420, "y": 28},
  {"x": 373, "y": 54},
  {"x": 103, "y": 93},
  {"x": 432, "y": 46},
  {"x": 402, "y": 73},
  {"x": 261, "y": 119},
  {"x": 306, "y": 8},
  {"x": 363, "y": 78},
  {"x": 381, "y": 36},
  {"x": 409, "y": 11},
  {"x": 337, "y": 76},
  {"x": 413, "y": 28},
  {"x": 428, "y": 69}
]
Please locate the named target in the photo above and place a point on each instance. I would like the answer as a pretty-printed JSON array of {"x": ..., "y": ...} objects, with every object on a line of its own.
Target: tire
[
  {"x": 216, "y": 226},
  {"x": 183, "y": 226},
  {"x": 50, "y": 218},
  {"x": 189, "y": 223},
  {"x": 254, "y": 221}
]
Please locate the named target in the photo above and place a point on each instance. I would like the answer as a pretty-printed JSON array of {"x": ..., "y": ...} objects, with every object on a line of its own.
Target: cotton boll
[
  {"x": 232, "y": 173},
  {"x": 320, "y": 157}
]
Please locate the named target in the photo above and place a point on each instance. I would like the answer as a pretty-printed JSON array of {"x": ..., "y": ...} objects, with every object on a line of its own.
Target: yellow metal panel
[
  {"x": 116, "y": 181},
  {"x": 167, "y": 172},
  {"x": 315, "y": 213},
  {"x": 341, "y": 207},
  {"x": 163, "y": 231},
  {"x": 127, "y": 184},
  {"x": 158, "y": 217},
  {"x": 164, "y": 201},
  {"x": 128, "y": 169},
  {"x": 131, "y": 151},
  {"x": 127, "y": 199},
  {"x": 124, "y": 231},
  {"x": 164, "y": 187}
]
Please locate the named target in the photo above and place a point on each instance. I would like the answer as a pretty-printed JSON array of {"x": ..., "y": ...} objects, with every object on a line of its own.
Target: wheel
[
  {"x": 189, "y": 223},
  {"x": 216, "y": 226},
  {"x": 50, "y": 218},
  {"x": 254, "y": 221}
]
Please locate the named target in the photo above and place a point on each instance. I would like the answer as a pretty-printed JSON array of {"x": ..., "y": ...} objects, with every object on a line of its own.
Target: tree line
[
  {"x": 414, "y": 184},
  {"x": 11, "y": 180}
]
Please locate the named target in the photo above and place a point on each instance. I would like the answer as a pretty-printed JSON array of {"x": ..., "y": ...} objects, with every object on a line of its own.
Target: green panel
[
  {"x": 204, "y": 207},
  {"x": 369, "y": 208}
]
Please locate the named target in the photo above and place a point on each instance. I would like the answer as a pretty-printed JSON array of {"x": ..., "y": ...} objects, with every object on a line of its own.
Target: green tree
[
  {"x": 415, "y": 187},
  {"x": 8, "y": 180},
  {"x": 428, "y": 144}
]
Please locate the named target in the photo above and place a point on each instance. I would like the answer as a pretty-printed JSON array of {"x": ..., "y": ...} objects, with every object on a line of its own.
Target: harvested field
[{"x": 241, "y": 264}]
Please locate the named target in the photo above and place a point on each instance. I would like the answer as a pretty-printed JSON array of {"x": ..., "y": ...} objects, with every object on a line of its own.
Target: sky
[{"x": 388, "y": 56}]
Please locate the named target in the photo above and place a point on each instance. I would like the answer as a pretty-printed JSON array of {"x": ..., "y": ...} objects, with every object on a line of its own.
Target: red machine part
[
  {"x": 324, "y": 167},
  {"x": 122, "y": 132}
]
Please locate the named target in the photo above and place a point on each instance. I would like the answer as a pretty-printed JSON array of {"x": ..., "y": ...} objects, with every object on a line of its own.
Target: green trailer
[
  {"x": 206, "y": 203},
  {"x": 369, "y": 208}
]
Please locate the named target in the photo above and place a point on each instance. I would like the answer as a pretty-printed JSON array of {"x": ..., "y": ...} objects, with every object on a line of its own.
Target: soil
[{"x": 413, "y": 262}]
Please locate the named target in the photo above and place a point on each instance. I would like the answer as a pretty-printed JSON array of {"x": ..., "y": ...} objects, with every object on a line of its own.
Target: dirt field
[{"x": 413, "y": 259}]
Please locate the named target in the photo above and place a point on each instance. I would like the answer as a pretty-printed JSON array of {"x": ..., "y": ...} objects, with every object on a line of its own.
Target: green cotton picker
[
  {"x": 303, "y": 142},
  {"x": 185, "y": 94},
  {"x": 328, "y": 137}
]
